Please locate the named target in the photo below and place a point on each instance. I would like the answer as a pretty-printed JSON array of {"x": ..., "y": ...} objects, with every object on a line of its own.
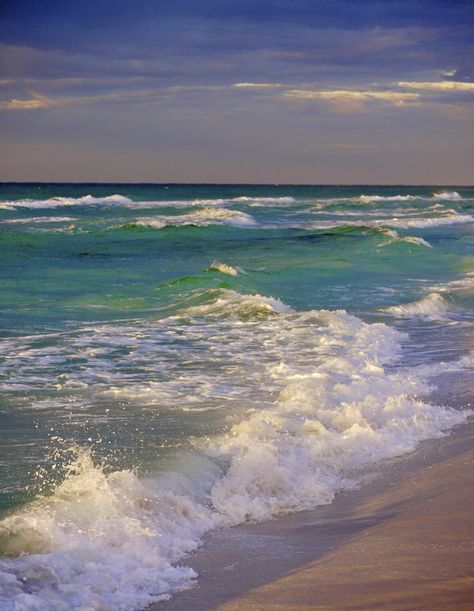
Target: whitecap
[
  {"x": 396, "y": 237},
  {"x": 434, "y": 307},
  {"x": 42, "y": 219},
  {"x": 224, "y": 268},
  {"x": 227, "y": 302},
  {"x": 448, "y": 195},
  {"x": 369, "y": 199},
  {"x": 58, "y": 202},
  {"x": 201, "y": 218}
]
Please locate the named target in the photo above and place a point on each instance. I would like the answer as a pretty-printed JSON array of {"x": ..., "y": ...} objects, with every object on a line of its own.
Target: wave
[
  {"x": 394, "y": 236},
  {"x": 448, "y": 219},
  {"x": 198, "y": 218},
  {"x": 448, "y": 195},
  {"x": 102, "y": 541},
  {"x": 451, "y": 218},
  {"x": 369, "y": 199},
  {"x": 434, "y": 307},
  {"x": 111, "y": 539},
  {"x": 224, "y": 268},
  {"x": 334, "y": 402},
  {"x": 461, "y": 285},
  {"x": 122, "y": 200},
  {"x": 57, "y": 202},
  {"x": 225, "y": 302},
  {"x": 42, "y": 219}
]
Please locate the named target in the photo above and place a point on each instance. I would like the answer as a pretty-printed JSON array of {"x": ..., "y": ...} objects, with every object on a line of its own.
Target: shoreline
[{"x": 403, "y": 540}]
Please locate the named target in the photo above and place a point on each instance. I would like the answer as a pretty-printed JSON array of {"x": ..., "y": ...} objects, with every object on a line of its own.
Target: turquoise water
[{"x": 176, "y": 358}]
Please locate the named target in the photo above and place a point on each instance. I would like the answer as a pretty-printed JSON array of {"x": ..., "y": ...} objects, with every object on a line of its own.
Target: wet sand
[{"x": 404, "y": 540}]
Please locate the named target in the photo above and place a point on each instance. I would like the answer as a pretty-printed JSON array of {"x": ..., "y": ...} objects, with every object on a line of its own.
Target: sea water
[{"x": 180, "y": 358}]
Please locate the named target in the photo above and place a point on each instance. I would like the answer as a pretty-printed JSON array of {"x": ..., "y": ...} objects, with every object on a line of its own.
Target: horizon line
[{"x": 232, "y": 184}]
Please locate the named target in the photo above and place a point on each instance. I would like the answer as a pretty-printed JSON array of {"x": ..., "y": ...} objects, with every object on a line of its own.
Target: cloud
[
  {"x": 22, "y": 104},
  {"x": 42, "y": 101},
  {"x": 257, "y": 85},
  {"x": 347, "y": 100},
  {"x": 437, "y": 86}
]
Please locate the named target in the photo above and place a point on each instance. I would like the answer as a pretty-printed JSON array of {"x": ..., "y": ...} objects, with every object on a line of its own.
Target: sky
[{"x": 237, "y": 91}]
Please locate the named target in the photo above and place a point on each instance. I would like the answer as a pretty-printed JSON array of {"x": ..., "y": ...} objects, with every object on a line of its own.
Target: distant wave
[
  {"x": 41, "y": 219},
  {"x": 448, "y": 195},
  {"x": 121, "y": 200},
  {"x": 57, "y": 202},
  {"x": 200, "y": 218},
  {"x": 401, "y": 222},
  {"x": 369, "y": 199},
  {"x": 448, "y": 219}
]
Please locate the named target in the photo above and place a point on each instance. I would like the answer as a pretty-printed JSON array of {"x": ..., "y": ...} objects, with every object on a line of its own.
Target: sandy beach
[{"x": 404, "y": 540}]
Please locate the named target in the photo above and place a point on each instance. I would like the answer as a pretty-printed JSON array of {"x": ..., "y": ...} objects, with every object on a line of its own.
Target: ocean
[{"x": 180, "y": 358}]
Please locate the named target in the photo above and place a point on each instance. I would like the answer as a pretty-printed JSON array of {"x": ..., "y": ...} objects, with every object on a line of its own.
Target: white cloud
[
  {"x": 41, "y": 101},
  {"x": 257, "y": 85},
  {"x": 352, "y": 99},
  {"x": 437, "y": 85}
]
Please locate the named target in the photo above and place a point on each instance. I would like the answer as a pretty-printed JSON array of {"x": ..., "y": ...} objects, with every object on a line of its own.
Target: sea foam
[{"x": 331, "y": 401}]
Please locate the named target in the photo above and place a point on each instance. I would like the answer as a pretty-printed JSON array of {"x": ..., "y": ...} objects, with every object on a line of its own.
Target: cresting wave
[
  {"x": 433, "y": 307},
  {"x": 447, "y": 195},
  {"x": 200, "y": 218},
  {"x": 396, "y": 222},
  {"x": 122, "y": 200},
  {"x": 328, "y": 406},
  {"x": 395, "y": 237},
  {"x": 58, "y": 202},
  {"x": 224, "y": 268}
]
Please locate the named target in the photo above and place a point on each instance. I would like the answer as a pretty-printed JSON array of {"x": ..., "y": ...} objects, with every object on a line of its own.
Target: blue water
[{"x": 180, "y": 357}]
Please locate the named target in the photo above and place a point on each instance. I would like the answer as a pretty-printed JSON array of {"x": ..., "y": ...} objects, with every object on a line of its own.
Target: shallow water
[{"x": 179, "y": 358}]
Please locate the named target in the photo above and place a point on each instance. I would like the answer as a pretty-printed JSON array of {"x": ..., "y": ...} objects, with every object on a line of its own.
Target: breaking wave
[
  {"x": 335, "y": 402},
  {"x": 434, "y": 306},
  {"x": 447, "y": 195},
  {"x": 224, "y": 268},
  {"x": 199, "y": 218},
  {"x": 58, "y": 202}
]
